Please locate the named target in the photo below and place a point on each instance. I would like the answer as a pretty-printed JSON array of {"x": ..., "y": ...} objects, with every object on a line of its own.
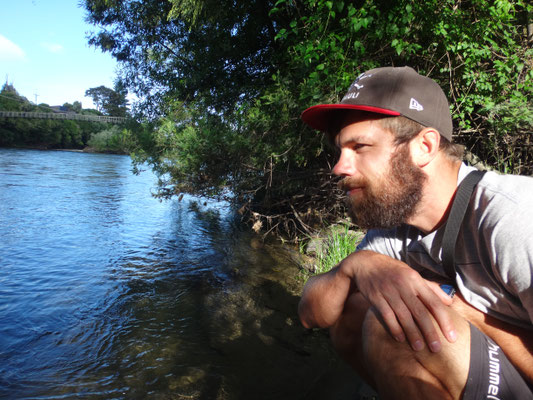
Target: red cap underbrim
[{"x": 319, "y": 117}]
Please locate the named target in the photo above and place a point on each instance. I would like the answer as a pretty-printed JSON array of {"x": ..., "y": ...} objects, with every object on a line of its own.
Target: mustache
[{"x": 350, "y": 182}]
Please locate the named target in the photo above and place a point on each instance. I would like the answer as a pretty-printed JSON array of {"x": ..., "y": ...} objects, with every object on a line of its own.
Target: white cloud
[
  {"x": 52, "y": 47},
  {"x": 9, "y": 51}
]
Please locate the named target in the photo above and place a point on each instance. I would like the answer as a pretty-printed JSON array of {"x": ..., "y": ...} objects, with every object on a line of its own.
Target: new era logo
[{"x": 415, "y": 105}]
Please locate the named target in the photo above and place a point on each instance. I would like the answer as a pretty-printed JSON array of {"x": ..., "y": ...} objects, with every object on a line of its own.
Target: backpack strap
[{"x": 455, "y": 220}]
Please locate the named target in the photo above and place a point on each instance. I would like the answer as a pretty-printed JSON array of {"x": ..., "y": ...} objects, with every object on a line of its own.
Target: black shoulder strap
[{"x": 455, "y": 219}]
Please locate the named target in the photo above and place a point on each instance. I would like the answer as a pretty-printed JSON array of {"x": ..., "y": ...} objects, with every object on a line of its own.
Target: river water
[{"x": 108, "y": 293}]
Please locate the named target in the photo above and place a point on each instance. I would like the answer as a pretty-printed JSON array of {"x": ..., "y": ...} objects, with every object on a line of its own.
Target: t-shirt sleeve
[
  {"x": 382, "y": 241},
  {"x": 508, "y": 236},
  {"x": 512, "y": 254}
]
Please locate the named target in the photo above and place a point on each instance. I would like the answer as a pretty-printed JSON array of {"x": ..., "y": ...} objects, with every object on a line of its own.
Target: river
[{"x": 108, "y": 293}]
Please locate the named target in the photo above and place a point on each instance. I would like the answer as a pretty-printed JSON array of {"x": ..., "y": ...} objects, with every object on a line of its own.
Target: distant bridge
[{"x": 54, "y": 115}]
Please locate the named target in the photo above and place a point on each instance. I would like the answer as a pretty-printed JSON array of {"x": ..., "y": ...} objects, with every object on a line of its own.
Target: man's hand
[{"x": 402, "y": 298}]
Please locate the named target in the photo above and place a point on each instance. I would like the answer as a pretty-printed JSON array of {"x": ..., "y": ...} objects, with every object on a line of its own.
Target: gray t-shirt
[{"x": 494, "y": 254}]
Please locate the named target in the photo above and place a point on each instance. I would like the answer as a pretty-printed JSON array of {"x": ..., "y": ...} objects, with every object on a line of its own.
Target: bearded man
[{"x": 388, "y": 315}]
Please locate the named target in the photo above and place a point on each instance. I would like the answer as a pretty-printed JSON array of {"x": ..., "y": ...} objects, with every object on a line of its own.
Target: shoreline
[{"x": 86, "y": 150}]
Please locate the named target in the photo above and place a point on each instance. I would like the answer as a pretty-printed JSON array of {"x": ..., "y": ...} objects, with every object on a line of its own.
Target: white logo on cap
[
  {"x": 353, "y": 91},
  {"x": 352, "y": 95},
  {"x": 415, "y": 105}
]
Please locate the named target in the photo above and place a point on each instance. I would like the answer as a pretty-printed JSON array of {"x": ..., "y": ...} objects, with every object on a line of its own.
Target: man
[{"x": 387, "y": 314}]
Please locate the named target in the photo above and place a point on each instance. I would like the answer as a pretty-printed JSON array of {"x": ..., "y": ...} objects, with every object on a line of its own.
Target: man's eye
[{"x": 358, "y": 146}]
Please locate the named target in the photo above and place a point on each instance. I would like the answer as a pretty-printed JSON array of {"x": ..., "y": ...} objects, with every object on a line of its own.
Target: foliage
[
  {"x": 476, "y": 50},
  {"x": 47, "y": 133},
  {"x": 174, "y": 144},
  {"x": 11, "y": 100},
  {"x": 169, "y": 53},
  {"x": 108, "y": 101},
  {"x": 338, "y": 245},
  {"x": 223, "y": 85},
  {"x": 115, "y": 139},
  {"x": 74, "y": 107}
]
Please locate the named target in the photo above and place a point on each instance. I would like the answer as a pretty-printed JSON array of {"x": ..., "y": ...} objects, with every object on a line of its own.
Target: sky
[{"x": 44, "y": 52}]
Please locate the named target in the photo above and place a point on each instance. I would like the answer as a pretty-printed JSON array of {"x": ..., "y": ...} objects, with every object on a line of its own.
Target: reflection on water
[{"x": 105, "y": 292}]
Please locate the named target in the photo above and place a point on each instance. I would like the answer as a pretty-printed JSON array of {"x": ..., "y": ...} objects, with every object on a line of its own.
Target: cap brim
[{"x": 321, "y": 116}]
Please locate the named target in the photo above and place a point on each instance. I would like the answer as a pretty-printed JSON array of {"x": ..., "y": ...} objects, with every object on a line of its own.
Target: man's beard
[{"x": 391, "y": 201}]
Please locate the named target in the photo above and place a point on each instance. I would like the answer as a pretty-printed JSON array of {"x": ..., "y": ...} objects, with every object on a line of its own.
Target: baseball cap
[{"x": 390, "y": 91}]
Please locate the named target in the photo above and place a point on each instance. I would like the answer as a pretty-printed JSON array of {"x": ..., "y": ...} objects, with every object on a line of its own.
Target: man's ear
[{"x": 425, "y": 146}]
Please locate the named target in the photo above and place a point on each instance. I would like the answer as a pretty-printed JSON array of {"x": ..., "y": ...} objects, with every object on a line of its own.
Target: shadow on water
[{"x": 216, "y": 320}]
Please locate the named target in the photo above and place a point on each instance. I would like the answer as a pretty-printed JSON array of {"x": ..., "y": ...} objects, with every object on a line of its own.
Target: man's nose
[{"x": 345, "y": 166}]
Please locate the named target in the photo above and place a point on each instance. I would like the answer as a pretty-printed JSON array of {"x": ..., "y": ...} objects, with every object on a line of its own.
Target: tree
[
  {"x": 216, "y": 52},
  {"x": 108, "y": 101},
  {"x": 74, "y": 107},
  {"x": 233, "y": 77},
  {"x": 11, "y": 100},
  {"x": 9, "y": 88}
]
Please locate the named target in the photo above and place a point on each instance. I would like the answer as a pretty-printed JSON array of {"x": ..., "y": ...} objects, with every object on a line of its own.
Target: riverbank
[
  {"x": 44, "y": 147},
  {"x": 89, "y": 149}
]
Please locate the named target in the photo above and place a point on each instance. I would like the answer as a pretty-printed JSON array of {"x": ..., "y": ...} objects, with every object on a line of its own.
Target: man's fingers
[
  {"x": 411, "y": 307},
  {"x": 416, "y": 322},
  {"x": 389, "y": 318},
  {"x": 406, "y": 318},
  {"x": 435, "y": 287},
  {"x": 417, "y": 315},
  {"x": 399, "y": 319},
  {"x": 442, "y": 316},
  {"x": 425, "y": 326}
]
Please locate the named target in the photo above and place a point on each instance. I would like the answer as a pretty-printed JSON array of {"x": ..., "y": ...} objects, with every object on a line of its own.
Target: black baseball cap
[{"x": 390, "y": 91}]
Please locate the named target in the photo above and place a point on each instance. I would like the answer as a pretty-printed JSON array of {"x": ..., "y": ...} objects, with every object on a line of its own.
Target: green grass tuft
[{"x": 337, "y": 246}]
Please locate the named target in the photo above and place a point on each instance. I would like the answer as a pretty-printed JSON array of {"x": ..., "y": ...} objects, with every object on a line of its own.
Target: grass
[{"x": 337, "y": 246}]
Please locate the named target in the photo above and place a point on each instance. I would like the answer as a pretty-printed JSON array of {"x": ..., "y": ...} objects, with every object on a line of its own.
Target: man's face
[{"x": 383, "y": 184}]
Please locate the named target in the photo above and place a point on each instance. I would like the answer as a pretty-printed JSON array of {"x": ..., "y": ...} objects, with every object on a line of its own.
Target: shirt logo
[{"x": 415, "y": 105}]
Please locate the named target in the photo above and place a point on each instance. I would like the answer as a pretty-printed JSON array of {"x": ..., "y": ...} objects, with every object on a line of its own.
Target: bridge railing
[{"x": 71, "y": 116}]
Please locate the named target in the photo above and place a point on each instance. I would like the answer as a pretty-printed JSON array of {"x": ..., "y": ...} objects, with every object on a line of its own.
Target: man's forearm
[
  {"x": 323, "y": 299},
  {"x": 324, "y": 295}
]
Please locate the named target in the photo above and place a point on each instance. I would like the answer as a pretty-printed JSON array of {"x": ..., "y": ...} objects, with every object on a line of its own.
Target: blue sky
[{"x": 44, "y": 52}]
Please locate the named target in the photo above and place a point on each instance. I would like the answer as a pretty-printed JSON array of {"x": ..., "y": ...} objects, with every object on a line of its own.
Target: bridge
[{"x": 55, "y": 115}]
